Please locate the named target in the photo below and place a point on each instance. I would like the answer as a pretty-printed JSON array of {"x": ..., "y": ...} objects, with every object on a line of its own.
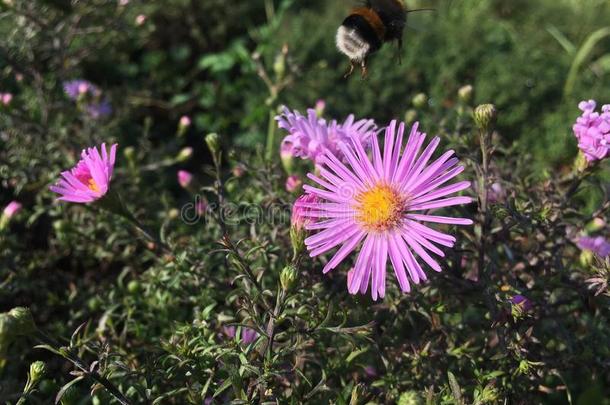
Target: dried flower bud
[
  {"x": 485, "y": 116},
  {"x": 465, "y": 94},
  {"x": 581, "y": 163},
  {"x": 288, "y": 277},
  {"x": 213, "y": 142},
  {"x": 420, "y": 100},
  {"x": 129, "y": 153}
]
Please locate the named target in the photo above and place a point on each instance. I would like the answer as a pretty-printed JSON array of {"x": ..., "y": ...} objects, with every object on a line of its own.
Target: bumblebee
[{"x": 367, "y": 28}]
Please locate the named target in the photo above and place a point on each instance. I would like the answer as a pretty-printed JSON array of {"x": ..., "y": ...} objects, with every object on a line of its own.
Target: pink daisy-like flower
[
  {"x": 309, "y": 137},
  {"x": 89, "y": 179},
  {"x": 592, "y": 130},
  {"x": 378, "y": 203}
]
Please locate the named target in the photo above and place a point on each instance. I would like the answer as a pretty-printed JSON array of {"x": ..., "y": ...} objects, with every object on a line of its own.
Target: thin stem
[{"x": 85, "y": 368}]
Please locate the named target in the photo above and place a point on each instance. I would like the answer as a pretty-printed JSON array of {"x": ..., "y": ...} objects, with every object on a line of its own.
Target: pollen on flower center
[
  {"x": 379, "y": 208},
  {"x": 93, "y": 185}
]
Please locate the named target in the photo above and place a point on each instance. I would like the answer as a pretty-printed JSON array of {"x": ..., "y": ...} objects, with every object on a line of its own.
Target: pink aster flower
[
  {"x": 377, "y": 203},
  {"x": 88, "y": 181},
  {"x": 592, "y": 130},
  {"x": 184, "y": 178},
  {"x": 597, "y": 245},
  {"x": 309, "y": 137}
]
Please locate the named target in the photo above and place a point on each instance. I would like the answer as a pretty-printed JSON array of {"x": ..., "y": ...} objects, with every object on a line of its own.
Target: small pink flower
[
  {"x": 293, "y": 183},
  {"x": 6, "y": 98},
  {"x": 89, "y": 180},
  {"x": 140, "y": 19},
  {"x": 592, "y": 130},
  {"x": 185, "y": 178},
  {"x": 238, "y": 171},
  {"x": 185, "y": 121},
  {"x": 12, "y": 209}
]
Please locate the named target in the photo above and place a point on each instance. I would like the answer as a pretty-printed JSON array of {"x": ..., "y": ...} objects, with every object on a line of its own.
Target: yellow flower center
[
  {"x": 379, "y": 208},
  {"x": 93, "y": 186}
]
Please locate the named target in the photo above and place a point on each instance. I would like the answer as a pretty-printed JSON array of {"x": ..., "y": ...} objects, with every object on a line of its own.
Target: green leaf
[{"x": 455, "y": 388}]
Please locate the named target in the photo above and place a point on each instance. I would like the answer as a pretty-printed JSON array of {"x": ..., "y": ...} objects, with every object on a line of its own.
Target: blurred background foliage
[{"x": 227, "y": 64}]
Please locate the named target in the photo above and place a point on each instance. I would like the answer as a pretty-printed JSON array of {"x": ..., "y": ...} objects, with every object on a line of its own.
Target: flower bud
[
  {"x": 140, "y": 20},
  {"x": 184, "y": 178},
  {"x": 9, "y": 211},
  {"x": 420, "y": 100},
  {"x": 288, "y": 277},
  {"x": 287, "y": 157},
  {"x": 320, "y": 107},
  {"x": 213, "y": 142},
  {"x": 410, "y": 398},
  {"x": 410, "y": 116},
  {"x": 37, "y": 370},
  {"x": 185, "y": 154},
  {"x": 129, "y": 153},
  {"x": 581, "y": 163},
  {"x": 22, "y": 321},
  {"x": 465, "y": 94},
  {"x": 183, "y": 124},
  {"x": 6, "y": 98},
  {"x": 279, "y": 65},
  {"x": 299, "y": 220},
  {"x": 485, "y": 116},
  {"x": 293, "y": 183},
  {"x": 238, "y": 171}
]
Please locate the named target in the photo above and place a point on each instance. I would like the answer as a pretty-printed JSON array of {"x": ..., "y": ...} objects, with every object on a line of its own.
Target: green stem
[{"x": 270, "y": 148}]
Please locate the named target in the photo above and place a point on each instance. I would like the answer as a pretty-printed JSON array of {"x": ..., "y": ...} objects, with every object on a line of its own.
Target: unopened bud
[
  {"x": 465, "y": 94},
  {"x": 581, "y": 163},
  {"x": 213, "y": 142},
  {"x": 410, "y": 116},
  {"x": 129, "y": 153},
  {"x": 22, "y": 321},
  {"x": 320, "y": 107},
  {"x": 279, "y": 65},
  {"x": 521, "y": 305},
  {"x": 485, "y": 116},
  {"x": 420, "y": 100},
  {"x": 37, "y": 370},
  {"x": 183, "y": 124},
  {"x": 410, "y": 398},
  {"x": 299, "y": 220},
  {"x": 287, "y": 157},
  {"x": 185, "y": 154},
  {"x": 288, "y": 277}
]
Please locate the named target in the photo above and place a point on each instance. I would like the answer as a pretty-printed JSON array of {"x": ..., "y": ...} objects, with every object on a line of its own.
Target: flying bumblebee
[{"x": 367, "y": 28}]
